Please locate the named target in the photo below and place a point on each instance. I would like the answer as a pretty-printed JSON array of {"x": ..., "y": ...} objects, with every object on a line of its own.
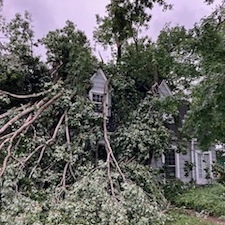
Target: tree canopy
[
  {"x": 124, "y": 21},
  {"x": 208, "y": 97}
]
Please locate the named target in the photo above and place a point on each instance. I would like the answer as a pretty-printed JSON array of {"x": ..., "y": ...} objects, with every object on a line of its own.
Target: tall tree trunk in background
[{"x": 119, "y": 51}]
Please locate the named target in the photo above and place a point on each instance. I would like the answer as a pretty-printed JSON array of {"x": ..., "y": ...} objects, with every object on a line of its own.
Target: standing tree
[
  {"x": 21, "y": 71},
  {"x": 124, "y": 21},
  {"x": 69, "y": 50},
  {"x": 207, "y": 112}
]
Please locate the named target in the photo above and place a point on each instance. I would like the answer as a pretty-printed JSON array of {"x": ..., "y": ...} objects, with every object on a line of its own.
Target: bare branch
[
  {"x": 13, "y": 110},
  {"x": 24, "y": 96},
  {"x": 63, "y": 181},
  {"x": 32, "y": 153},
  {"x": 69, "y": 145},
  {"x": 35, "y": 95},
  {"x": 109, "y": 173},
  {"x": 107, "y": 143},
  {"x": 39, "y": 160},
  {"x": 43, "y": 147},
  {"x": 35, "y": 117},
  {"x": 23, "y": 127},
  {"x": 67, "y": 133},
  {"x": 3, "y": 143},
  {"x": 20, "y": 115},
  {"x": 5, "y": 161},
  {"x": 6, "y": 136},
  {"x": 71, "y": 171}
]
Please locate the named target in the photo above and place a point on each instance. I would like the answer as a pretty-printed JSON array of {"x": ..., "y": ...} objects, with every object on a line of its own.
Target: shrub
[{"x": 172, "y": 188}]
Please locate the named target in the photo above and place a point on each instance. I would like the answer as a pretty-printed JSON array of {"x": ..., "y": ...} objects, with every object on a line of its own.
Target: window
[
  {"x": 97, "y": 100},
  {"x": 170, "y": 164}
]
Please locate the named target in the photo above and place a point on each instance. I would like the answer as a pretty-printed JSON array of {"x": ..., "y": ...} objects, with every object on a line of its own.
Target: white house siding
[
  {"x": 190, "y": 157},
  {"x": 206, "y": 159}
]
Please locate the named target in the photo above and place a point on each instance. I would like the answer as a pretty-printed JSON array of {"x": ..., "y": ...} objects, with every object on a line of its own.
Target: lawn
[
  {"x": 207, "y": 199},
  {"x": 179, "y": 217}
]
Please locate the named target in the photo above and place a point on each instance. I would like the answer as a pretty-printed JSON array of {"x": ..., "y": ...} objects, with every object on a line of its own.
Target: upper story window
[{"x": 97, "y": 100}]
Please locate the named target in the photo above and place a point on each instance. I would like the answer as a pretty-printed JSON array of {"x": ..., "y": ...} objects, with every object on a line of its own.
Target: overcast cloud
[{"x": 51, "y": 14}]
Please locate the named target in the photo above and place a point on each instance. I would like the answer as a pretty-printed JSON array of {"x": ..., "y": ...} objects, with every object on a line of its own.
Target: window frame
[{"x": 97, "y": 103}]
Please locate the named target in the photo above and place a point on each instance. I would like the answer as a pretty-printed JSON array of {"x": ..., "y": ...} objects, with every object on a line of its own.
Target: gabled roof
[
  {"x": 164, "y": 89},
  {"x": 99, "y": 73}
]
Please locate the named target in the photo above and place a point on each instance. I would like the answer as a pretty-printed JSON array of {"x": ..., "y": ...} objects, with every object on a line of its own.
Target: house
[{"x": 194, "y": 165}]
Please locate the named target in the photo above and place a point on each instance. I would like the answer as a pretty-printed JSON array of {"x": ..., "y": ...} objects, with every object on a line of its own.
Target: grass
[
  {"x": 208, "y": 199},
  {"x": 178, "y": 217}
]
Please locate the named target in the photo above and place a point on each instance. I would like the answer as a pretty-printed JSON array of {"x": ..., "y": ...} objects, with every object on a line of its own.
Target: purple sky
[{"x": 51, "y": 14}]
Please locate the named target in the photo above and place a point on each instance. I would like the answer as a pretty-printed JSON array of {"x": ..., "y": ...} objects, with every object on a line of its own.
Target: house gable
[{"x": 98, "y": 81}]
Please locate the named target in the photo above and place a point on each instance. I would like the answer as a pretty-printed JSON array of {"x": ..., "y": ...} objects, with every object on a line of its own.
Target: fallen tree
[{"x": 48, "y": 139}]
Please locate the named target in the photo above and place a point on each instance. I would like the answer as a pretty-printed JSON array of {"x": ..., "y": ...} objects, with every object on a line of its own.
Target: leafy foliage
[
  {"x": 70, "y": 49},
  {"x": 21, "y": 71},
  {"x": 49, "y": 169},
  {"x": 50, "y": 173},
  {"x": 176, "y": 57},
  {"x": 125, "y": 20},
  {"x": 219, "y": 171},
  {"x": 207, "y": 110},
  {"x": 87, "y": 202},
  {"x": 145, "y": 136}
]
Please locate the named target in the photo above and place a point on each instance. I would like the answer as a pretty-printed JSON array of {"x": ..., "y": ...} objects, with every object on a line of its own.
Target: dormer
[{"x": 96, "y": 93}]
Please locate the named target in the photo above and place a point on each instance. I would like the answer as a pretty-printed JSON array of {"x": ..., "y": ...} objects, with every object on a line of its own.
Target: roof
[
  {"x": 164, "y": 89},
  {"x": 99, "y": 73}
]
